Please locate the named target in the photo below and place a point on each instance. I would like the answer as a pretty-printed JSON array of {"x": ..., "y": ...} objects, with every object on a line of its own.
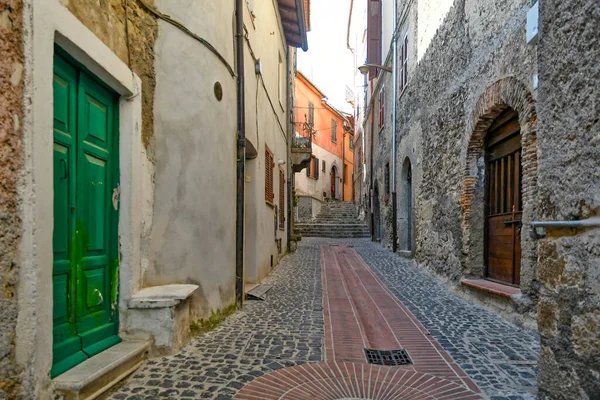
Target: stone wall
[
  {"x": 477, "y": 64},
  {"x": 12, "y": 76},
  {"x": 569, "y": 188}
]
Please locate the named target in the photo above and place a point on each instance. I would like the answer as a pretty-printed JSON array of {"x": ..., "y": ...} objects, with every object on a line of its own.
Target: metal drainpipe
[
  {"x": 241, "y": 156},
  {"x": 290, "y": 137},
  {"x": 394, "y": 94},
  {"x": 372, "y": 189},
  {"x": 343, "y": 160}
]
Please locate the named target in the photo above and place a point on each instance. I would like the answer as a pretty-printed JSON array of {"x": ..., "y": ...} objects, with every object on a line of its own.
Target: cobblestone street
[{"x": 294, "y": 328}]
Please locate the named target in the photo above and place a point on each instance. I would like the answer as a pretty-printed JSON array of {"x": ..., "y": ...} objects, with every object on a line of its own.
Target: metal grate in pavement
[{"x": 387, "y": 357}]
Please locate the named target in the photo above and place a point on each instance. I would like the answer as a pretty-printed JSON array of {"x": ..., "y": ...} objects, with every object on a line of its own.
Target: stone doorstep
[
  {"x": 161, "y": 296},
  {"x": 101, "y": 372},
  {"x": 491, "y": 287}
]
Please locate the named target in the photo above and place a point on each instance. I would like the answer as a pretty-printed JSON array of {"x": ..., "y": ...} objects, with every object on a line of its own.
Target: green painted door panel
[
  {"x": 67, "y": 349},
  {"x": 95, "y": 216},
  {"x": 85, "y": 238}
]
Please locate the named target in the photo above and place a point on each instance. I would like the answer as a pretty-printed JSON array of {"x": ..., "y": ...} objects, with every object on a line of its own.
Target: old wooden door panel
[
  {"x": 85, "y": 220},
  {"x": 500, "y": 255},
  {"x": 95, "y": 144},
  {"x": 67, "y": 350},
  {"x": 504, "y": 199}
]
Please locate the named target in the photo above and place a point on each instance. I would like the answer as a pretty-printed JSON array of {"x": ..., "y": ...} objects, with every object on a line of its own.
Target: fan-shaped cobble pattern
[{"x": 335, "y": 381}]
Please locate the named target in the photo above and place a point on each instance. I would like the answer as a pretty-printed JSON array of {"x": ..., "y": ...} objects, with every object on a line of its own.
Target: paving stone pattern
[
  {"x": 284, "y": 330},
  {"x": 500, "y": 357},
  {"x": 288, "y": 329}
]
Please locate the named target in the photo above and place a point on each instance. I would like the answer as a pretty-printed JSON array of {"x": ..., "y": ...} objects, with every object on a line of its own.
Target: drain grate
[{"x": 387, "y": 357}]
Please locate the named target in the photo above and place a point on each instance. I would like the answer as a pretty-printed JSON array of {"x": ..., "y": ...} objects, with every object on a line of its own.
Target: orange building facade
[{"x": 329, "y": 175}]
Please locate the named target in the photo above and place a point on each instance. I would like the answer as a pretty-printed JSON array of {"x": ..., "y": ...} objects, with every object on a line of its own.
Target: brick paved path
[{"x": 251, "y": 350}]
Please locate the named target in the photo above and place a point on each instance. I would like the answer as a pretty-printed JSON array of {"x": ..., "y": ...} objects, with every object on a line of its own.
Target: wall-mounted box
[{"x": 532, "y": 23}]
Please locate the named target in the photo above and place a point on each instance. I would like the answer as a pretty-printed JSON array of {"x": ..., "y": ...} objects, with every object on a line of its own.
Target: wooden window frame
[
  {"x": 382, "y": 107},
  {"x": 312, "y": 171},
  {"x": 281, "y": 199},
  {"x": 386, "y": 178},
  {"x": 333, "y": 130},
  {"x": 269, "y": 166},
  {"x": 404, "y": 64},
  {"x": 311, "y": 114}
]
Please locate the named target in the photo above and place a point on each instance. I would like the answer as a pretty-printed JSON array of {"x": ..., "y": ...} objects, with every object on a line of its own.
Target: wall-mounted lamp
[{"x": 364, "y": 69}]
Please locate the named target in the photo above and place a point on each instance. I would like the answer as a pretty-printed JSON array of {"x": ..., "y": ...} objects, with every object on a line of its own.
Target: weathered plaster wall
[
  {"x": 569, "y": 187},
  {"x": 316, "y": 187},
  {"x": 12, "y": 76},
  {"x": 107, "y": 20},
  {"x": 267, "y": 112},
  {"x": 193, "y": 228}
]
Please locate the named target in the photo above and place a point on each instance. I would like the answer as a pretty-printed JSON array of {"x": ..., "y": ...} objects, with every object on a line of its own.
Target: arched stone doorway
[
  {"x": 333, "y": 182},
  {"x": 506, "y": 101},
  {"x": 406, "y": 207},
  {"x": 376, "y": 214}
]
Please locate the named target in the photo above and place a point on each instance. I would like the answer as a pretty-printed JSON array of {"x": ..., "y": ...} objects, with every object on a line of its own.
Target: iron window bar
[{"x": 579, "y": 224}]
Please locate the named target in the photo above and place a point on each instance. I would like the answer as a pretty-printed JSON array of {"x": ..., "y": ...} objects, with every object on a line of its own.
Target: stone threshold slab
[
  {"x": 491, "y": 287},
  {"x": 101, "y": 372}
]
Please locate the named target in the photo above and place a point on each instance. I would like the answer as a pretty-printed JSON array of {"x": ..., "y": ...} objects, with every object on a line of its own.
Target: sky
[{"x": 328, "y": 63}]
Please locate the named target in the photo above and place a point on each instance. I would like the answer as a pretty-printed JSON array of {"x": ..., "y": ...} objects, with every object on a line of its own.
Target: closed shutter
[
  {"x": 269, "y": 165},
  {"x": 316, "y": 168},
  {"x": 281, "y": 199},
  {"x": 374, "y": 36}
]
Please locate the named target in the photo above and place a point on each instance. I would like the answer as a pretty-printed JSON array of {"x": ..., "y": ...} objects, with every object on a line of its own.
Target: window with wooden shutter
[
  {"x": 311, "y": 114},
  {"x": 387, "y": 178},
  {"x": 324, "y": 166},
  {"x": 382, "y": 107},
  {"x": 312, "y": 171},
  {"x": 404, "y": 64},
  {"x": 269, "y": 165},
  {"x": 373, "y": 35},
  {"x": 281, "y": 199},
  {"x": 316, "y": 168},
  {"x": 333, "y": 130}
]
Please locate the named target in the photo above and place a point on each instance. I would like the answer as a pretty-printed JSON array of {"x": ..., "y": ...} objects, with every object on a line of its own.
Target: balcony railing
[{"x": 301, "y": 142}]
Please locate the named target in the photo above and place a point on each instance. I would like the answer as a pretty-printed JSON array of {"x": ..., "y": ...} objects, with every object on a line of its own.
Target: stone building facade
[
  {"x": 443, "y": 115},
  {"x": 473, "y": 68},
  {"x": 133, "y": 104},
  {"x": 569, "y": 189},
  {"x": 329, "y": 175}
]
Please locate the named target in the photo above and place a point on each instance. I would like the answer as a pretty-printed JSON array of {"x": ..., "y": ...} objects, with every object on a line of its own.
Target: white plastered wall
[
  {"x": 316, "y": 187},
  {"x": 48, "y": 22}
]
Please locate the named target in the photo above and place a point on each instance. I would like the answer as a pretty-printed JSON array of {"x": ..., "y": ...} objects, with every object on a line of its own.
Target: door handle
[{"x": 511, "y": 221}]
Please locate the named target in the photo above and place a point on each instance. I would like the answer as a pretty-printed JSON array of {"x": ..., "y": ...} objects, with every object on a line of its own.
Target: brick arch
[{"x": 506, "y": 92}]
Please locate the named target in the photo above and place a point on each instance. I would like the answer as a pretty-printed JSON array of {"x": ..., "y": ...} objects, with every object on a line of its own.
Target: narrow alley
[{"x": 329, "y": 301}]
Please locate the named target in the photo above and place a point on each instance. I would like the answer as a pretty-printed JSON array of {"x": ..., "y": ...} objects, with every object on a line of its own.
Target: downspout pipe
[
  {"x": 343, "y": 162},
  {"x": 241, "y": 156},
  {"x": 395, "y": 101},
  {"x": 290, "y": 136}
]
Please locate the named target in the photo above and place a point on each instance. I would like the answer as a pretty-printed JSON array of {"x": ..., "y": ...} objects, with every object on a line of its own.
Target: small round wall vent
[{"x": 218, "y": 91}]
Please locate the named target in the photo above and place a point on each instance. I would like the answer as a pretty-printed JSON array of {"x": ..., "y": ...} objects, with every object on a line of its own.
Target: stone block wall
[
  {"x": 569, "y": 188},
  {"x": 477, "y": 64},
  {"x": 12, "y": 76}
]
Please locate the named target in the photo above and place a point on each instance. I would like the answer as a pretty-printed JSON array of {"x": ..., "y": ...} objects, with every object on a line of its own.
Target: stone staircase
[{"x": 337, "y": 219}]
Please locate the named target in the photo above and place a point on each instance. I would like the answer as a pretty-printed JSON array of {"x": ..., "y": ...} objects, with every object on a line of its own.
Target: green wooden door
[{"x": 85, "y": 238}]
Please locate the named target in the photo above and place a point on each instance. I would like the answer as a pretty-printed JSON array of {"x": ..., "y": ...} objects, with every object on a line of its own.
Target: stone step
[
  {"x": 97, "y": 374},
  {"x": 338, "y": 235}
]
